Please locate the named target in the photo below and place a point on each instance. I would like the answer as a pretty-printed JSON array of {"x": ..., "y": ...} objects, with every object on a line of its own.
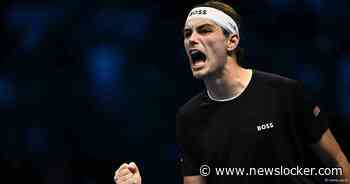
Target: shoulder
[{"x": 275, "y": 81}]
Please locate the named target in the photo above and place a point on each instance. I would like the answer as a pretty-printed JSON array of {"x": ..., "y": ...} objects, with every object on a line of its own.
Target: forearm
[
  {"x": 194, "y": 180},
  {"x": 330, "y": 152},
  {"x": 342, "y": 162}
]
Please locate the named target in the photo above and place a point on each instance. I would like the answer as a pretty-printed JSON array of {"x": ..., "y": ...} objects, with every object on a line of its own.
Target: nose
[{"x": 193, "y": 39}]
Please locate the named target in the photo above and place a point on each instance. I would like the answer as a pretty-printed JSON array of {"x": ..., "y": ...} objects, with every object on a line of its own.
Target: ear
[{"x": 232, "y": 42}]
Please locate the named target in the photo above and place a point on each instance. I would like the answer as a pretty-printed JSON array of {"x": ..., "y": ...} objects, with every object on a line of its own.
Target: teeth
[{"x": 193, "y": 51}]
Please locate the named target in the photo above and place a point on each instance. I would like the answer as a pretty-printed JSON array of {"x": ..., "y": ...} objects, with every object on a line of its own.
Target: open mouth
[{"x": 198, "y": 58}]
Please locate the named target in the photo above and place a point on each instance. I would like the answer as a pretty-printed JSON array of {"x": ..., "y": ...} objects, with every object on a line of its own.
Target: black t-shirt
[{"x": 270, "y": 125}]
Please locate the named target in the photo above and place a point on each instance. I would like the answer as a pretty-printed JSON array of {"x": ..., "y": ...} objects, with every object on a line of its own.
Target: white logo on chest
[{"x": 265, "y": 126}]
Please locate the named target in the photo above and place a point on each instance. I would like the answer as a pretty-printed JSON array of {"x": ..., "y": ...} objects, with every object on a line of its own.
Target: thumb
[{"x": 133, "y": 167}]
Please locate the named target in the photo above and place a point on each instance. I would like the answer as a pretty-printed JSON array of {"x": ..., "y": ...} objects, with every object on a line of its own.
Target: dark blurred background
[{"x": 88, "y": 85}]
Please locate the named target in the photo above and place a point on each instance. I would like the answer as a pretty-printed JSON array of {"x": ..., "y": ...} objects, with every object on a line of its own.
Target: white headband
[{"x": 219, "y": 17}]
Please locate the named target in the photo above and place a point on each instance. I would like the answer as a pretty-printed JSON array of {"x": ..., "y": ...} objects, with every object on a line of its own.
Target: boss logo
[
  {"x": 264, "y": 126},
  {"x": 198, "y": 12}
]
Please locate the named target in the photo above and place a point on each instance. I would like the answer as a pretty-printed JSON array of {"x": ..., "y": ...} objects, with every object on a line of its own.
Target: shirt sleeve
[
  {"x": 187, "y": 154},
  {"x": 312, "y": 121}
]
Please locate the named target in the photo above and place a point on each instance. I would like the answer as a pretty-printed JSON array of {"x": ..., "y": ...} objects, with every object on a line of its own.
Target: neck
[{"x": 230, "y": 82}]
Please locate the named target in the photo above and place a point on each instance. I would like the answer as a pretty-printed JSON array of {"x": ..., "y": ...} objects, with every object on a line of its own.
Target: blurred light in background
[
  {"x": 310, "y": 75},
  {"x": 344, "y": 86},
  {"x": 135, "y": 26},
  {"x": 315, "y": 6},
  {"x": 31, "y": 22},
  {"x": 130, "y": 24},
  {"x": 105, "y": 66}
]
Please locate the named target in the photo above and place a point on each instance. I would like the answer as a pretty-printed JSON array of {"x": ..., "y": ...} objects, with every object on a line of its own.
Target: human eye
[
  {"x": 187, "y": 33},
  {"x": 205, "y": 30}
]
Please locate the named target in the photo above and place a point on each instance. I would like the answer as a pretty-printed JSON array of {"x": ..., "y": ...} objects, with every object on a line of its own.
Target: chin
[{"x": 199, "y": 74}]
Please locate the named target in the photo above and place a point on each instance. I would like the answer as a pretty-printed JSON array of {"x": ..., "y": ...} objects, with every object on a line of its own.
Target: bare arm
[
  {"x": 330, "y": 152},
  {"x": 194, "y": 180}
]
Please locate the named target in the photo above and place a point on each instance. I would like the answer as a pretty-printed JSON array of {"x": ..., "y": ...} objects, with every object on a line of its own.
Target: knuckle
[
  {"x": 125, "y": 178},
  {"x": 124, "y": 165},
  {"x": 123, "y": 172}
]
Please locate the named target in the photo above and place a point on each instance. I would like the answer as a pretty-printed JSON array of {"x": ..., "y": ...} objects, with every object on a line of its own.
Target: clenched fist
[{"x": 127, "y": 174}]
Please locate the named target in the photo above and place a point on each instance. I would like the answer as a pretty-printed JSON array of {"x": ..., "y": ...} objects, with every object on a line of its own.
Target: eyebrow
[{"x": 200, "y": 27}]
